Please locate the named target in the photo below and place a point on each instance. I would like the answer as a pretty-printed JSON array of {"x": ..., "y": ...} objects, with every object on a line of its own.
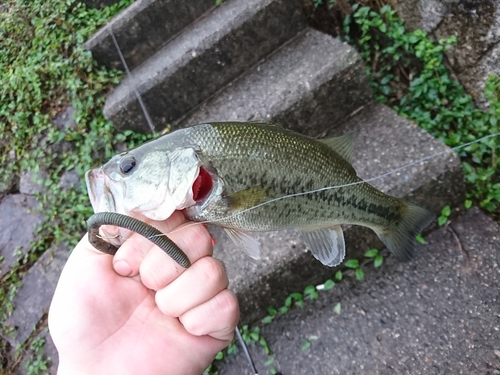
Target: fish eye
[{"x": 127, "y": 164}]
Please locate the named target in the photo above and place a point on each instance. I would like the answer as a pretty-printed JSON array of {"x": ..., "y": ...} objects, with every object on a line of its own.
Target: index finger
[{"x": 138, "y": 252}]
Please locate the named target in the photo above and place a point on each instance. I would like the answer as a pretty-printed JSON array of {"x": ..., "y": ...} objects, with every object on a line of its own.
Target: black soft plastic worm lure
[{"x": 127, "y": 222}]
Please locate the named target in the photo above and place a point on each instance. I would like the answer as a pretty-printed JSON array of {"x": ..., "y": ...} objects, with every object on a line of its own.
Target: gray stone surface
[
  {"x": 420, "y": 14},
  {"x": 308, "y": 85},
  {"x": 18, "y": 220},
  {"x": 202, "y": 59},
  {"x": 65, "y": 119},
  {"x": 438, "y": 314},
  {"x": 33, "y": 298},
  {"x": 475, "y": 55},
  {"x": 70, "y": 180},
  {"x": 31, "y": 183},
  {"x": 144, "y": 28},
  {"x": 383, "y": 142}
]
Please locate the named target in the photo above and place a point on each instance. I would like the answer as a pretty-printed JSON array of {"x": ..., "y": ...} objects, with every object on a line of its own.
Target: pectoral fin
[
  {"x": 327, "y": 244},
  {"x": 245, "y": 242}
]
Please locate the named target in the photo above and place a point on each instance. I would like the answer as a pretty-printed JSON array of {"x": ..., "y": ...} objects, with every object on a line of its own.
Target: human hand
[{"x": 139, "y": 312}]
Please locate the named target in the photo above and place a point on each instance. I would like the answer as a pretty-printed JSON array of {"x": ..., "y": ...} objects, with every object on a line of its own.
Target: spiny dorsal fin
[
  {"x": 327, "y": 244},
  {"x": 341, "y": 145}
]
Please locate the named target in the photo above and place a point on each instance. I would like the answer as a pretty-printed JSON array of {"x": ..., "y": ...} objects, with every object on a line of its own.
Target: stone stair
[
  {"x": 203, "y": 58},
  {"x": 258, "y": 60}
]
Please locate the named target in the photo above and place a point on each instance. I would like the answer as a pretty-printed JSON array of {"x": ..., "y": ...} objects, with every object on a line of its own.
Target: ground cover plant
[{"x": 43, "y": 70}]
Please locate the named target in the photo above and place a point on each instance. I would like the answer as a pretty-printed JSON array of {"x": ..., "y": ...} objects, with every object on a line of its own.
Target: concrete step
[
  {"x": 143, "y": 29},
  {"x": 308, "y": 85},
  {"x": 383, "y": 142},
  {"x": 201, "y": 60},
  {"x": 437, "y": 314}
]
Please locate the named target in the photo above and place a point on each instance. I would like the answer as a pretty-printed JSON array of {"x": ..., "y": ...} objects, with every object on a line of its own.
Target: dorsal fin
[{"x": 341, "y": 145}]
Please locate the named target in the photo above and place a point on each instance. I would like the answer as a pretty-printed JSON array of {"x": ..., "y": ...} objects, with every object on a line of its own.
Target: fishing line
[
  {"x": 422, "y": 160},
  {"x": 137, "y": 95}
]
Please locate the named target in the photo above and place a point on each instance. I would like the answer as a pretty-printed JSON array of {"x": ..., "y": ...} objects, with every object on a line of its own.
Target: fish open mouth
[{"x": 202, "y": 186}]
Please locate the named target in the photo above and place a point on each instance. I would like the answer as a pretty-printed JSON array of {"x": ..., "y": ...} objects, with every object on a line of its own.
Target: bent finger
[
  {"x": 198, "y": 284},
  {"x": 217, "y": 317},
  {"x": 158, "y": 270},
  {"x": 132, "y": 252}
]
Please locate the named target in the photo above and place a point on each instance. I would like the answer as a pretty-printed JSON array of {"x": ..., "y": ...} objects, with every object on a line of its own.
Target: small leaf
[
  {"x": 269, "y": 362},
  {"x": 306, "y": 345},
  {"x": 329, "y": 284},
  {"x": 371, "y": 253},
  {"x": 379, "y": 259},
  {"x": 442, "y": 220},
  {"x": 219, "y": 356},
  {"x": 420, "y": 238},
  {"x": 446, "y": 211},
  {"x": 268, "y": 319},
  {"x": 337, "y": 308},
  {"x": 468, "y": 204},
  {"x": 352, "y": 263},
  {"x": 283, "y": 310},
  {"x": 360, "y": 275},
  {"x": 338, "y": 275}
]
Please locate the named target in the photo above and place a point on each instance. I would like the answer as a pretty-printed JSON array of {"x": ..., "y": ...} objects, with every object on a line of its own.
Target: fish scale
[
  {"x": 261, "y": 178},
  {"x": 300, "y": 159}
]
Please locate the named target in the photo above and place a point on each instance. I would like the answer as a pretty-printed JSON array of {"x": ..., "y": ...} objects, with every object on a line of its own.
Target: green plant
[
  {"x": 37, "y": 364},
  {"x": 407, "y": 72},
  {"x": 445, "y": 214},
  {"x": 43, "y": 70}
]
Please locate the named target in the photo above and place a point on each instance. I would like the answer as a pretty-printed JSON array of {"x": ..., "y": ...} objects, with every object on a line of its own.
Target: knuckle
[
  {"x": 211, "y": 271},
  {"x": 227, "y": 304},
  {"x": 150, "y": 275},
  {"x": 198, "y": 236}
]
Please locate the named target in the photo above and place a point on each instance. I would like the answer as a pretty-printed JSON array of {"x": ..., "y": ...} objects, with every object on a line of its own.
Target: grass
[{"x": 43, "y": 70}]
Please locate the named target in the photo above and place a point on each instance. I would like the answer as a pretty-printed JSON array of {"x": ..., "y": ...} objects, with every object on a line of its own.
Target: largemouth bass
[{"x": 248, "y": 177}]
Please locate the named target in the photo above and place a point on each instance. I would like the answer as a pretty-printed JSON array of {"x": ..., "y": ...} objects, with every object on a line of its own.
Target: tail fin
[{"x": 400, "y": 238}]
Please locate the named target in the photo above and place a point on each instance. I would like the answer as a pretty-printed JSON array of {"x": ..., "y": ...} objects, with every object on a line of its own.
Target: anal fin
[
  {"x": 326, "y": 244},
  {"x": 245, "y": 242}
]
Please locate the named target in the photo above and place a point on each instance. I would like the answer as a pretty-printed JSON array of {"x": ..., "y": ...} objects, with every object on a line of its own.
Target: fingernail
[
  {"x": 122, "y": 268},
  {"x": 213, "y": 241}
]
